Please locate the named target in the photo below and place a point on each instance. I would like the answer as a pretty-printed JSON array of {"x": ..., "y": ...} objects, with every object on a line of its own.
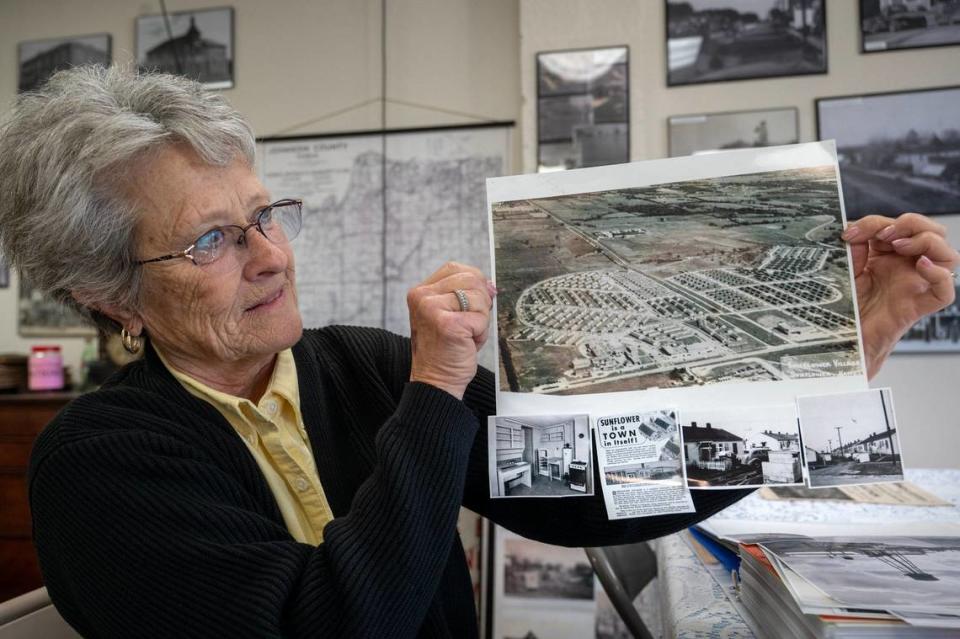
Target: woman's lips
[{"x": 271, "y": 302}]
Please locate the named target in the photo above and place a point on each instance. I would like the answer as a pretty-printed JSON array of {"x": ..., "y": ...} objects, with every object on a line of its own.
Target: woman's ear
[{"x": 124, "y": 317}]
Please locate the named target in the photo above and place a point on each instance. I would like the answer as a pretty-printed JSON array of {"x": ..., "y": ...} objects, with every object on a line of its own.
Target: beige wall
[
  {"x": 925, "y": 396},
  {"x": 300, "y": 60}
]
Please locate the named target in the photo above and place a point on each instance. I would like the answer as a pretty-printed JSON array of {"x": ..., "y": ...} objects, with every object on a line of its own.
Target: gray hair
[{"x": 68, "y": 153}]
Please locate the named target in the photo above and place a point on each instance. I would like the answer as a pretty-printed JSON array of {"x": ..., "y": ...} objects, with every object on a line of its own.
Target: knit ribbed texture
[{"x": 151, "y": 518}]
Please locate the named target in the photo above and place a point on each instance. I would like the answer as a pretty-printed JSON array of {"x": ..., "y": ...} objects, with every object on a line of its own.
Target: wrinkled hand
[
  {"x": 445, "y": 340},
  {"x": 904, "y": 270}
]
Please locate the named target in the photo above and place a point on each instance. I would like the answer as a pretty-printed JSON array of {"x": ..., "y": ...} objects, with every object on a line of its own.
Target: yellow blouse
[{"x": 273, "y": 431}]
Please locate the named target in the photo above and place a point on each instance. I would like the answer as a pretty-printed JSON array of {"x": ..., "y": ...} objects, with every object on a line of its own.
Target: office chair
[
  {"x": 624, "y": 571},
  {"x": 32, "y": 616}
]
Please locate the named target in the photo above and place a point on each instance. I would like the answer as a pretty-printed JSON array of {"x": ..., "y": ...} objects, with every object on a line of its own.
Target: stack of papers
[{"x": 876, "y": 587}]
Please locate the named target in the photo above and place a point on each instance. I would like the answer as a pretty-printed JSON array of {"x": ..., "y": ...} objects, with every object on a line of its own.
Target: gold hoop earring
[{"x": 133, "y": 344}]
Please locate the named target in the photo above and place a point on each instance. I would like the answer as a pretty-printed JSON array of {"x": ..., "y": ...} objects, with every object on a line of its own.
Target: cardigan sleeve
[
  {"x": 141, "y": 535},
  {"x": 573, "y": 521}
]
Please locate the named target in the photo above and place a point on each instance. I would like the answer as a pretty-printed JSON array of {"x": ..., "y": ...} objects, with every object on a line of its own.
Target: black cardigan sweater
[{"x": 152, "y": 519}]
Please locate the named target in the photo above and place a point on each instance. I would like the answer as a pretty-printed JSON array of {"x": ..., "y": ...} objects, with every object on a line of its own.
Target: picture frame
[
  {"x": 896, "y": 26},
  {"x": 583, "y": 108},
  {"x": 201, "y": 47},
  {"x": 706, "y": 44},
  {"x": 704, "y": 132},
  {"x": 40, "y": 316},
  {"x": 898, "y": 151},
  {"x": 37, "y": 60}
]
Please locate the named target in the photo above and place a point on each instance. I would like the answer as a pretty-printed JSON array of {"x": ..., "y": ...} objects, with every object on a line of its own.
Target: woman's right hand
[{"x": 445, "y": 339}]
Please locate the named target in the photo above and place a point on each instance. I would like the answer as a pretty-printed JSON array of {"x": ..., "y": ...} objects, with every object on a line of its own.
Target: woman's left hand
[{"x": 904, "y": 270}]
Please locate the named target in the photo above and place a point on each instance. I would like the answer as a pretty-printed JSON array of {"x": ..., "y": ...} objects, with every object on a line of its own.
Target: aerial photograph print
[{"x": 703, "y": 281}]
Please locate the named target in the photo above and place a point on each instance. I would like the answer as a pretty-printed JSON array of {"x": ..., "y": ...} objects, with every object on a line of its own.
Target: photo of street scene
[
  {"x": 533, "y": 570},
  {"x": 850, "y": 438},
  {"x": 717, "y": 40},
  {"x": 729, "y": 279},
  {"x": 742, "y": 447},
  {"x": 691, "y": 134},
  {"x": 582, "y": 107},
  {"x": 887, "y": 25},
  {"x": 897, "y": 151}
]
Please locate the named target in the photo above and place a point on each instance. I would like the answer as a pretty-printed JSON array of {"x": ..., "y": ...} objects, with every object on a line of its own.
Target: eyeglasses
[{"x": 219, "y": 249}]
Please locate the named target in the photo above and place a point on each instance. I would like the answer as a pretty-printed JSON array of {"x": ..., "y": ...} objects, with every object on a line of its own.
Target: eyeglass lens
[{"x": 220, "y": 247}]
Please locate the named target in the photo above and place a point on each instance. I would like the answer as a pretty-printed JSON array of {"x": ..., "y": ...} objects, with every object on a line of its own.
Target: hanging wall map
[{"x": 356, "y": 258}]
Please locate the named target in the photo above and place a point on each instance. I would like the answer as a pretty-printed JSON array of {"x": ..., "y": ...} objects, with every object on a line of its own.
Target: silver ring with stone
[{"x": 462, "y": 298}]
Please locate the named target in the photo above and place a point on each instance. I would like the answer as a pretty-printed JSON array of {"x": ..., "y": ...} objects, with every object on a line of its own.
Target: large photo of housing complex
[{"x": 730, "y": 279}]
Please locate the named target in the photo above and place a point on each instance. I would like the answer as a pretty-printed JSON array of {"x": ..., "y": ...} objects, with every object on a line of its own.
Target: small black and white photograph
[
  {"x": 198, "y": 45},
  {"x": 878, "y": 572},
  {"x": 738, "y": 447},
  {"x": 850, "y": 438},
  {"x": 700, "y": 133},
  {"x": 897, "y": 151},
  {"x": 540, "y": 590},
  {"x": 936, "y": 333},
  {"x": 720, "y": 40},
  {"x": 4, "y": 273},
  {"x": 889, "y": 25},
  {"x": 41, "y": 316},
  {"x": 540, "y": 456},
  {"x": 533, "y": 570},
  {"x": 39, "y": 59},
  {"x": 582, "y": 108}
]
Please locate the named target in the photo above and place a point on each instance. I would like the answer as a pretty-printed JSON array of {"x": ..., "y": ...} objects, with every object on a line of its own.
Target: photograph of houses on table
[
  {"x": 850, "y": 438},
  {"x": 738, "y": 447},
  {"x": 540, "y": 456}
]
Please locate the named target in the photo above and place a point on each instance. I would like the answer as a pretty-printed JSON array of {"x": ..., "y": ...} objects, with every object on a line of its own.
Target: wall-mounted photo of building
[
  {"x": 850, "y": 438},
  {"x": 39, "y": 315},
  {"x": 730, "y": 279},
  {"x": 742, "y": 447},
  {"x": 39, "y": 59},
  {"x": 540, "y": 456},
  {"x": 198, "y": 45},
  {"x": 698, "y": 133}
]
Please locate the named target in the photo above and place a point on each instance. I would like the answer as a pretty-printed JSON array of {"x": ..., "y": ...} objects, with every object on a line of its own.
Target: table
[
  {"x": 22, "y": 416},
  {"x": 694, "y": 605}
]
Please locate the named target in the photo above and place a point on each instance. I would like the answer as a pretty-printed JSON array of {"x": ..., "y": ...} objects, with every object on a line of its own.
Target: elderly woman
[{"x": 247, "y": 477}]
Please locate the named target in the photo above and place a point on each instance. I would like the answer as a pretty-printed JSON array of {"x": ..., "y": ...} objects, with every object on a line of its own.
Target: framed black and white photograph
[
  {"x": 850, "y": 438},
  {"x": 936, "y": 333},
  {"x": 197, "y": 44},
  {"x": 720, "y": 40},
  {"x": 39, "y": 59},
  {"x": 897, "y": 151},
  {"x": 582, "y": 108},
  {"x": 40, "y": 316},
  {"x": 540, "y": 456},
  {"x": 699, "y": 133},
  {"x": 890, "y": 25}
]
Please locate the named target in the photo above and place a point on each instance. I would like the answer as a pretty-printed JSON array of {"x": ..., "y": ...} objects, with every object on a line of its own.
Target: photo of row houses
[
  {"x": 851, "y": 438},
  {"x": 742, "y": 447}
]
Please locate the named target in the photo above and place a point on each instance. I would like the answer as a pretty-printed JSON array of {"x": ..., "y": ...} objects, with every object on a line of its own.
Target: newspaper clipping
[{"x": 641, "y": 462}]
